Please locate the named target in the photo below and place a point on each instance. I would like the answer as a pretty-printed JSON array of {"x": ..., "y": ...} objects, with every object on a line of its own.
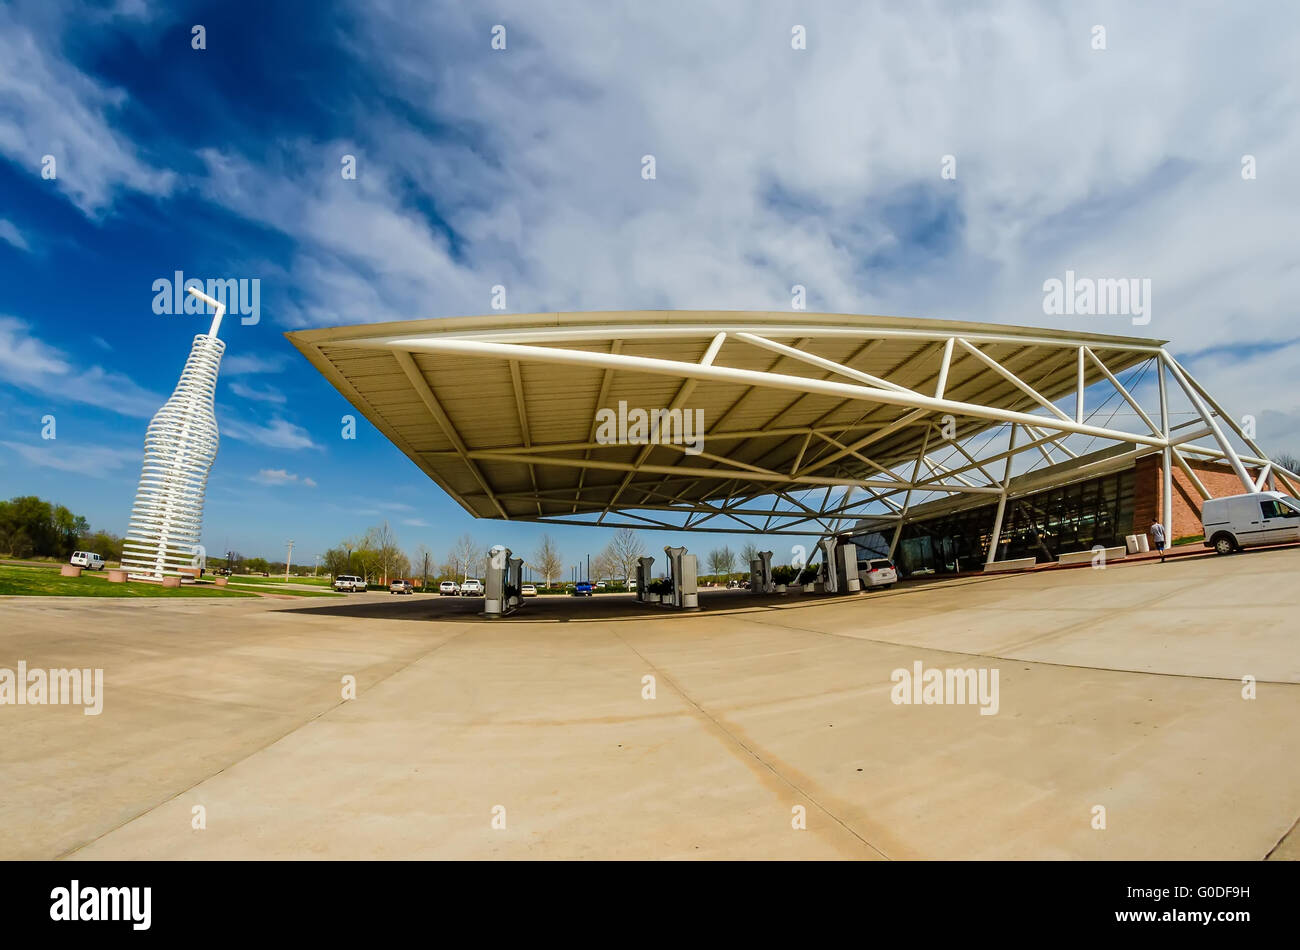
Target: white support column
[
  {"x": 942, "y": 386},
  {"x": 1207, "y": 416},
  {"x": 1002, "y": 502},
  {"x": 1166, "y": 462},
  {"x": 1078, "y": 395},
  {"x": 907, "y": 499}
]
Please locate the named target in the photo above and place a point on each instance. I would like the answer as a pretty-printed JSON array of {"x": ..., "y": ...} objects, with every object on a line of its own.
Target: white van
[
  {"x": 87, "y": 559},
  {"x": 1243, "y": 521}
]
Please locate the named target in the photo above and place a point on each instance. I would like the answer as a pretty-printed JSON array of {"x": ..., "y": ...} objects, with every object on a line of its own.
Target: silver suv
[{"x": 349, "y": 583}]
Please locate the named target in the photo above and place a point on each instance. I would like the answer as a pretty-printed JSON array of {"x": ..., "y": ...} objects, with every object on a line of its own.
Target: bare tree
[
  {"x": 421, "y": 563},
  {"x": 747, "y": 555},
  {"x": 626, "y": 549},
  {"x": 387, "y": 558},
  {"x": 718, "y": 561},
  {"x": 1287, "y": 461},
  {"x": 605, "y": 564},
  {"x": 465, "y": 557},
  {"x": 547, "y": 561}
]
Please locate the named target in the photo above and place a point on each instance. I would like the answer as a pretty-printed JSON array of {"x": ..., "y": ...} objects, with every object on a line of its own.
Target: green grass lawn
[
  {"x": 279, "y": 579},
  {"x": 287, "y": 591},
  {"x": 47, "y": 582}
]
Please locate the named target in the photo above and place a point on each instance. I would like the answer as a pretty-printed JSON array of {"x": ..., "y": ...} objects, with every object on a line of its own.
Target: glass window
[{"x": 1275, "y": 509}]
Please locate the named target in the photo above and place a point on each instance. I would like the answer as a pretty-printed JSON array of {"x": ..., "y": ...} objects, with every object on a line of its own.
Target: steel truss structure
[{"x": 812, "y": 421}]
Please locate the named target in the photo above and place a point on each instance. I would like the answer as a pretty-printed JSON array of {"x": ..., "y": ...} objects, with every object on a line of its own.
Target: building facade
[{"x": 1044, "y": 524}]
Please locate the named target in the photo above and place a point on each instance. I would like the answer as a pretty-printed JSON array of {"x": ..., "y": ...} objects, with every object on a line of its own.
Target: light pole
[
  {"x": 316, "y": 569},
  {"x": 287, "y": 558}
]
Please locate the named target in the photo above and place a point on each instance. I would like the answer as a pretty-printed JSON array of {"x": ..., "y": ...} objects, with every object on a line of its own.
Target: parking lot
[{"x": 535, "y": 736}]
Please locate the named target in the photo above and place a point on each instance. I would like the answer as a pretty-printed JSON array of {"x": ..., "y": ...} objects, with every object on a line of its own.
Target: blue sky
[{"x": 521, "y": 167}]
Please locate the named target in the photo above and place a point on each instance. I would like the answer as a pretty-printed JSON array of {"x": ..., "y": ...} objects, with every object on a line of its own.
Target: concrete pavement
[{"x": 1119, "y": 688}]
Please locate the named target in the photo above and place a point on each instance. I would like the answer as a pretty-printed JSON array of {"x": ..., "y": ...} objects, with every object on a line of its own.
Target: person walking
[{"x": 1158, "y": 537}]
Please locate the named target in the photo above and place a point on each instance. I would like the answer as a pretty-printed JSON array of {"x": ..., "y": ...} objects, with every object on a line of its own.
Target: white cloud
[
  {"x": 279, "y": 476},
  {"x": 775, "y": 166},
  {"x": 11, "y": 235},
  {"x": 278, "y": 433},
  {"x": 33, "y": 365},
  {"x": 269, "y": 394},
  {"x": 243, "y": 364},
  {"x": 819, "y": 167},
  {"x": 52, "y": 108},
  {"x": 93, "y": 461}
]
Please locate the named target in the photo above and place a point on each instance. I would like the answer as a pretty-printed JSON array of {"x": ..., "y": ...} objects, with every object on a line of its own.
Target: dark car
[{"x": 582, "y": 589}]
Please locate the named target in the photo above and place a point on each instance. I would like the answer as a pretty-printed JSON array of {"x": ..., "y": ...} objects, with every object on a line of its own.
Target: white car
[
  {"x": 472, "y": 587},
  {"x": 349, "y": 583},
  {"x": 528, "y": 590},
  {"x": 878, "y": 573},
  {"x": 87, "y": 559},
  {"x": 1243, "y": 521},
  {"x": 448, "y": 589}
]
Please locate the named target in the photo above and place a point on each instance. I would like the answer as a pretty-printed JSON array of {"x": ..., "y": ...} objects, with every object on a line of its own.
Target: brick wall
[{"x": 1148, "y": 486}]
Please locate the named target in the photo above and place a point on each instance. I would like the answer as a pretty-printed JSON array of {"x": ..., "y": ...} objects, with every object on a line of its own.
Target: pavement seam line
[
  {"x": 1016, "y": 659},
  {"x": 1286, "y": 834},
  {"x": 738, "y": 741},
  {"x": 229, "y": 765}
]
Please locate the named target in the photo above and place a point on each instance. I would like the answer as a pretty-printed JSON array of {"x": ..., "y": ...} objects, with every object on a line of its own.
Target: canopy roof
[{"x": 503, "y": 411}]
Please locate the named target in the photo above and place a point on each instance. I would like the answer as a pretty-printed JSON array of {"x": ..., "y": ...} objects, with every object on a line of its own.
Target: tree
[
  {"x": 718, "y": 561},
  {"x": 626, "y": 550},
  {"x": 604, "y": 565},
  {"x": 104, "y": 543},
  {"x": 547, "y": 560},
  {"x": 27, "y": 525},
  {"x": 1288, "y": 462},
  {"x": 748, "y": 554},
  {"x": 728, "y": 561},
  {"x": 69, "y": 528},
  {"x": 336, "y": 561},
  {"x": 386, "y": 558},
  {"x": 421, "y": 563},
  {"x": 466, "y": 557}
]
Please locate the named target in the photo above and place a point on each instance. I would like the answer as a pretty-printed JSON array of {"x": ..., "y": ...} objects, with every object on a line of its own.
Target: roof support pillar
[{"x": 1002, "y": 502}]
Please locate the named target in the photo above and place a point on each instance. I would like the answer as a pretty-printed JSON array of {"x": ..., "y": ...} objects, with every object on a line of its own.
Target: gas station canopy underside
[{"x": 809, "y": 420}]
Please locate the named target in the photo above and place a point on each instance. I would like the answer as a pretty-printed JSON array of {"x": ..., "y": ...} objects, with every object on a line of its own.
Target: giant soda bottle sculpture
[{"x": 179, "y": 449}]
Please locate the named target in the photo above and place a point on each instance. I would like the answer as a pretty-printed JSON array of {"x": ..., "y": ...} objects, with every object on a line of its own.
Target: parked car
[
  {"x": 472, "y": 587},
  {"x": 87, "y": 559},
  {"x": 1243, "y": 521},
  {"x": 878, "y": 573},
  {"x": 349, "y": 583},
  {"x": 448, "y": 589},
  {"x": 582, "y": 589},
  {"x": 631, "y": 584},
  {"x": 528, "y": 590},
  {"x": 401, "y": 586}
]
